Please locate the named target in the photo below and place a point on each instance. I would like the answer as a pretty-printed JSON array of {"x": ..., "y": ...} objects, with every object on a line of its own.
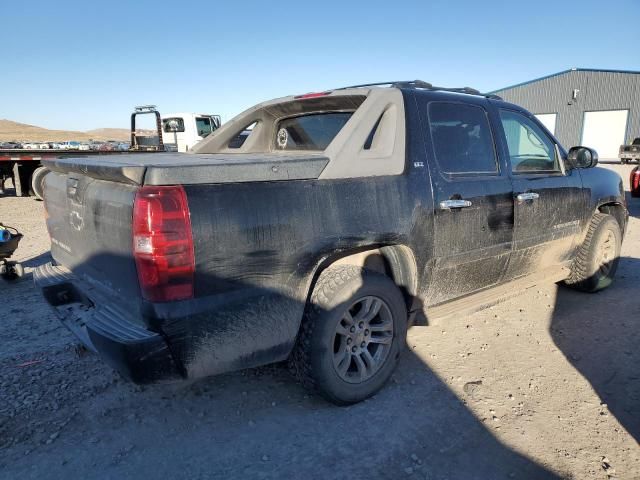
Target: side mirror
[{"x": 582, "y": 157}]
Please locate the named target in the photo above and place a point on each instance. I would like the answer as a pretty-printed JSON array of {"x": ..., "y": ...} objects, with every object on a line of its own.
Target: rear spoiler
[{"x": 188, "y": 169}]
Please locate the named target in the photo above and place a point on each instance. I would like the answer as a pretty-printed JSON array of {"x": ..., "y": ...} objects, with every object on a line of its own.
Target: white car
[{"x": 69, "y": 145}]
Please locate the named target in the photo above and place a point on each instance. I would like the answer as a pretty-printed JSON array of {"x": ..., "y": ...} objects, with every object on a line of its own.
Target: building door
[
  {"x": 605, "y": 132},
  {"x": 548, "y": 120}
]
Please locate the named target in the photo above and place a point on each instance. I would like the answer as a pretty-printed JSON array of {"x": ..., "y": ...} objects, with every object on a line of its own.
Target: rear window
[{"x": 310, "y": 132}]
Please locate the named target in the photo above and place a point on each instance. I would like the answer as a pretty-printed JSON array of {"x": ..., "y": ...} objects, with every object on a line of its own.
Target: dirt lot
[{"x": 544, "y": 385}]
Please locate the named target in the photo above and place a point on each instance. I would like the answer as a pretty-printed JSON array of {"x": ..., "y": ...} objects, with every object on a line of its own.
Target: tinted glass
[
  {"x": 462, "y": 139},
  {"x": 241, "y": 136},
  {"x": 530, "y": 149},
  {"x": 310, "y": 132},
  {"x": 203, "y": 126}
]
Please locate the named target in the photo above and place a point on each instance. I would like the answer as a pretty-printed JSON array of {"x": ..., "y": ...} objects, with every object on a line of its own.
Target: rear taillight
[
  {"x": 634, "y": 180},
  {"x": 163, "y": 244},
  {"x": 311, "y": 95}
]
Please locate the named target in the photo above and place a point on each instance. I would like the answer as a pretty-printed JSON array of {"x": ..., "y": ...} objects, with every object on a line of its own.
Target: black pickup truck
[{"x": 315, "y": 228}]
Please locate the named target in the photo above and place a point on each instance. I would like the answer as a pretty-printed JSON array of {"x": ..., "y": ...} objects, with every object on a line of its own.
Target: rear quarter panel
[{"x": 257, "y": 247}]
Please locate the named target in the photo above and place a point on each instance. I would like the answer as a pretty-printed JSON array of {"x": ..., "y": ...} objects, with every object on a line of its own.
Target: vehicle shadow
[
  {"x": 633, "y": 204},
  {"x": 258, "y": 423},
  {"x": 602, "y": 343},
  {"x": 7, "y": 192},
  {"x": 37, "y": 260}
]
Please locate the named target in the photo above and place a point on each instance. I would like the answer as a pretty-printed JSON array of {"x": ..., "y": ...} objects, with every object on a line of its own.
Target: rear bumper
[
  {"x": 629, "y": 156},
  {"x": 140, "y": 355}
]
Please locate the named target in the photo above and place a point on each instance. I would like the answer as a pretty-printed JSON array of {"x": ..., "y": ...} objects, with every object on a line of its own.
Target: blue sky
[{"x": 82, "y": 65}]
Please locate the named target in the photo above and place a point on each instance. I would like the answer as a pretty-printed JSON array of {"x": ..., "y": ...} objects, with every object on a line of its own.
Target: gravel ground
[{"x": 544, "y": 385}]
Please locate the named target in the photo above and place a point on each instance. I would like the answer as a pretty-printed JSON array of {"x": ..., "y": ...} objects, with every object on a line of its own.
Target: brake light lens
[
  {"x": 163, "y": 243},
  {"x": 635, "y": 179},
  {"x": 312, "y": 95}
]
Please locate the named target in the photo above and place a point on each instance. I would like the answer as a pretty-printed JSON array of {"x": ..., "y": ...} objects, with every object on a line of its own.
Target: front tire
[
  {"x": 351, "y": 336},
  {"x": 597, "y": 260}
]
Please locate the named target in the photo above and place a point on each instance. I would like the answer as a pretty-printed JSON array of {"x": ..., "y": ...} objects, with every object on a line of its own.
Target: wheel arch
[
  {"x": 395, "y": 261},
  {"x": 618, "y": 211}
]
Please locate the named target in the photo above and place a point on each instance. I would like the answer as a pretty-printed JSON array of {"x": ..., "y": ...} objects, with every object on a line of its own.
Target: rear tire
[
  {"x": 351, "y": 336},
  {"x": 37, "y": 182},
  {"x": 597, "y": 260}
]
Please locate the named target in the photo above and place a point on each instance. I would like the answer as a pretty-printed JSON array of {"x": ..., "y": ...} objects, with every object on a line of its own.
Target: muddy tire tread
[
  {"x": 329, "y": 281},
  {"x": 579, "y": 276}
]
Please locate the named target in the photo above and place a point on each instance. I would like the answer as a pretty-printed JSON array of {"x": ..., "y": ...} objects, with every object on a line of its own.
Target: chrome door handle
[
  {"x": 449, "y": 204},
  {"x": 523, "y": 197}
]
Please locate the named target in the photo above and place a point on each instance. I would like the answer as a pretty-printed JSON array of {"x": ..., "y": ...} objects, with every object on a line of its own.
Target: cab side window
[
  {"x": 462, "y": 139},
  {"x": 530, "y": 149}
]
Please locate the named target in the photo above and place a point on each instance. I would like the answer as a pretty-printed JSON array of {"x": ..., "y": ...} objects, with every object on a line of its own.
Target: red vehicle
[{"x": 634, "y": 181}]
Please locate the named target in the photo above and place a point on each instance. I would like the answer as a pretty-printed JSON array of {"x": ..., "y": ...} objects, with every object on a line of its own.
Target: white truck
[{"x": 181, "y": 131}]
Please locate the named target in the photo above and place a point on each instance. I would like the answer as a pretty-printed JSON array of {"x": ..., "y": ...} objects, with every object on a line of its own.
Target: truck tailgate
[
  {"x": 89, "y": 202},
  {"x": 89, "y": 222}
]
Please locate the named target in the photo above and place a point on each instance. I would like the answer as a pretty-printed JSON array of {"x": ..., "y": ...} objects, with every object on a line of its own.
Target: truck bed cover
[{"x": 190, "y": 169}]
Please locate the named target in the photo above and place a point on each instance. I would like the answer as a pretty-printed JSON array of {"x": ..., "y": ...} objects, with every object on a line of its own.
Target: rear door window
[
  {"x": 462, "y": 140},
  {"x": 310, "y": 132}
]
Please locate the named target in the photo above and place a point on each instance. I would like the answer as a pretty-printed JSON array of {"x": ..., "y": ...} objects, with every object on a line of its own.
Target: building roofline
[{"x": 599, "y": 70}]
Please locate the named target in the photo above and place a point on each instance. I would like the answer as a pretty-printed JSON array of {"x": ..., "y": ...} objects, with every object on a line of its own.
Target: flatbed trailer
[
  {"x": 25, "y": 167},
  {"x": 21, "y": 164}
]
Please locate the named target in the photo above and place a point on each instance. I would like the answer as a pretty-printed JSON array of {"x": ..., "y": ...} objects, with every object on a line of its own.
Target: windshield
[{"x": 310, "y": 132}]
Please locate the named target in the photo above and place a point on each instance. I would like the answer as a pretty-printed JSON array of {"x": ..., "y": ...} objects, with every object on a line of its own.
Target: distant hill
[
  {"x": 21, "y": 132},
  {"x": 111, "y": 133}
]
